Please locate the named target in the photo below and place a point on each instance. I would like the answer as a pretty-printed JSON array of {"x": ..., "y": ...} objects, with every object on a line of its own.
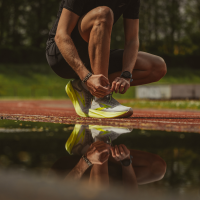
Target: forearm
[
  {"x": 130, "y": 55},
  {"x": 129, "y": 178},
  {"x": 70, "y": 54},
  {"x": 78, "y": 170}
]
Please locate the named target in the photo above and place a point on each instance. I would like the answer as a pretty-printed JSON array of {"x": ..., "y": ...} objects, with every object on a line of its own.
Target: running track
[{"x": 62, "y": 111}]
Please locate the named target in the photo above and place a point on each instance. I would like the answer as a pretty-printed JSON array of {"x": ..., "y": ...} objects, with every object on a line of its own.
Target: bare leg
[
  {"x": 148, "y": 167},
  {"x": 95, "y": 28},
  {"x": 99, "y": 175},
  {"x": 148, "y": 68}
]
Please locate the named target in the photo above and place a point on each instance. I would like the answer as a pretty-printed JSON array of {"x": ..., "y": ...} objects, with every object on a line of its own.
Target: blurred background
[{"x": 170, "y": 29}]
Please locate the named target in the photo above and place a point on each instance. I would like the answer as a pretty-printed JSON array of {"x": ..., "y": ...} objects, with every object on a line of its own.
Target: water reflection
[
  {"x": 110, "y": 164},
  {"x": 37, "y": 147}
]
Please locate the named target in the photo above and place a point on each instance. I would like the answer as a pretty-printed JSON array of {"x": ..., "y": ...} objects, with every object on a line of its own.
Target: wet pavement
[
  {"x": 62, "y": 111},
  {"x": 164, "y": 161}
]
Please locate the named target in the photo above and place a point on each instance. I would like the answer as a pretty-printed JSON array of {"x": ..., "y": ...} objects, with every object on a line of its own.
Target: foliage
[{"x": 166, "y": 27}]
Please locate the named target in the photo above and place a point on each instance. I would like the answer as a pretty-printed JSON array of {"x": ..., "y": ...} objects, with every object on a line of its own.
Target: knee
[
  {"x": 158, "y": 168},
  {"x": 104, "y": 15},
  {"x": 160, "y": 68}
]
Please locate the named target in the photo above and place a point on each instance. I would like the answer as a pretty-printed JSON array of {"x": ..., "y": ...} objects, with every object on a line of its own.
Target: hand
[
  {"x": 120, "y": 152},
  {"x": 98, "y": 85},
  {"x": 98, "y": 153},
  {"x": 121, "y": 85}
]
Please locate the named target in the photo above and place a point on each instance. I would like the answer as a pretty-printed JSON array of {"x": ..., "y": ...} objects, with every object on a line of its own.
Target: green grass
[
  {"x": 39, "y": 81},
  {"x": 172, "y": 104}
]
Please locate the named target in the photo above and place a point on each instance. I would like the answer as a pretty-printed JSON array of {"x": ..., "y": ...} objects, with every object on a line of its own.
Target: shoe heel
[{"x": 72, "y": 95}]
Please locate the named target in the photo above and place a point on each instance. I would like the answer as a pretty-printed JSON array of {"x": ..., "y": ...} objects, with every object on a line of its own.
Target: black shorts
[{"x": 63, "y": 69}]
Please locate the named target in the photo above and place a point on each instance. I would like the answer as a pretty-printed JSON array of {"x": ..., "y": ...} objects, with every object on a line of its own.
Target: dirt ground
[{"x": 62, "y": 111}]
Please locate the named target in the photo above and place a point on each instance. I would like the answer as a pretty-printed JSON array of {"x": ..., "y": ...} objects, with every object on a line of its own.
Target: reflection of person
[
  {"x": 110, "y": 164},
  {"x": 142, "y": 168},
  {"x": 79, "y": 43},
  {"x": 97, "y": 154},
  {"x": 145, "y": 168},
  {"x": 121, "y": 153}
]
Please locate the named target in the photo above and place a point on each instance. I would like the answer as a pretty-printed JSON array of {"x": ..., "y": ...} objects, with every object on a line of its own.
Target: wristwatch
[
  {"x": 127, "y": 162},
  {"x": 127, "y": 74}
]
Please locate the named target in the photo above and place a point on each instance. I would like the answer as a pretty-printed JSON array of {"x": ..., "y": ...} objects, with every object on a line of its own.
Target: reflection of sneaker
[
  {"x": 80, "y": 97},
  {"x": 108, "y": 107},
  {"x": 79, "y": 141},
  {"x": 107, "y": 133}
]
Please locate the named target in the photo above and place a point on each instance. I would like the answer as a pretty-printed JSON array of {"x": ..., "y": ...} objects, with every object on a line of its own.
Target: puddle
[{"x": 38, "y": 147}]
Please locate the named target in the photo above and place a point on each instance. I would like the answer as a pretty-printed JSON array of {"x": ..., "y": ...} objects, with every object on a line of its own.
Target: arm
[
  {"x": 120, "y": 153},
  {"x": 97, "y": 154},
  {"x": 78, "y": 170},
  {"x": 131, "y": 29},
  {"x": 67, "y": 22},
  {"x": 129, "y": 178}
]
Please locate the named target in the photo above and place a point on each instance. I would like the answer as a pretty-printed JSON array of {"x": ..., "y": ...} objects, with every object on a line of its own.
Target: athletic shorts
[{"x": 63, "y": 69}]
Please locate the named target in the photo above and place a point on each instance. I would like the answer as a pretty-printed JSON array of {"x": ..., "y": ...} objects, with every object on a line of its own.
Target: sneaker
[
  {"x": 80, "y": 140},
  {"x": 107, "y": 133},
  {"x": 108, "y": 107},
  {"x": 80, "y": 97}
]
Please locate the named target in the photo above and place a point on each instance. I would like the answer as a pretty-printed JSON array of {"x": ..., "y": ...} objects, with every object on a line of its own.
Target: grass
[
  {"x": 39, "y": 81},
  {"x": 157, "y": 104}
]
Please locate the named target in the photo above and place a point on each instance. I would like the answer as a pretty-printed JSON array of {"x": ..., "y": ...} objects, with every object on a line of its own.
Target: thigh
[
  {"x": 87, "y": 21},
  {"x": 143, "y": 63},
  {"x": 146, "y": 68}
]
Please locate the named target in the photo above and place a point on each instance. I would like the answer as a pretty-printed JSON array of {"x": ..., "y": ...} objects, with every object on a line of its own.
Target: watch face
[
  {"x": 126, "y": 162},
  {"x": 126, "y": 74}
]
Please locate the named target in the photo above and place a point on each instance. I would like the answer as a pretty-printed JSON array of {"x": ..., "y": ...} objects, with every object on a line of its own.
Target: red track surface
[{"x": 62, "y": 111}]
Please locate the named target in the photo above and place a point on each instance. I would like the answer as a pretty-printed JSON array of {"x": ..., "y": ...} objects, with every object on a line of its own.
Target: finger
[
  {"x": 125, "y": 89},
  {"x": 121, "y": 150},
  {"x": 97, "y": 143},
  {"x": 105, "y": 159},
  {"x": 104, "y": 79},
  {"x": 113, "y": 86},
  {"x": 103, "y": 150},
  {"x": 103, "y": 90},
  {"x": 125, "y": 149},
  {"x": 121, "y": 88},
  {"x": 98, "y": 95},
  {"x": 117, "y": 86},
  {"x": 113, "y": 152},
  {"x": 114, "y": 83},
  {"x": 117, "y": 151}
]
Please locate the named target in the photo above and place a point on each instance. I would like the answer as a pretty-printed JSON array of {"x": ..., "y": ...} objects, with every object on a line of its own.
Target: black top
[{"x": 129, "y": 9}]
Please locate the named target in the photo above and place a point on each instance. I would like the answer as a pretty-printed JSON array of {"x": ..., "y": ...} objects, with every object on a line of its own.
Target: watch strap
[
  {"x": 130, "y": 75},
  {"x": 130, "y": 161},
  {"x": 87, "y": 77},
  {"x": 86, "y": 160}
]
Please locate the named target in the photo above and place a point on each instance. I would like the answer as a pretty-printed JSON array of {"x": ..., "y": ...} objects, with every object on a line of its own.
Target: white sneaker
[
  {"x": 80, "y": 140},
  {"x": 108, "y": 107},
  {"x": 80, "y": 97},
  {"x": 107, "y": 133}
]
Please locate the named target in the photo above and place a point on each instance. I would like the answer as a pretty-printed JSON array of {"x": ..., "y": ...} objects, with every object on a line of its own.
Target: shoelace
[{"x": 109, "y": 96}]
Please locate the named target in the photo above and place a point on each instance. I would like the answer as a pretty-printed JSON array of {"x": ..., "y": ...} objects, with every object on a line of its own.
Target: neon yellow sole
[
  {"x": 72, "y": 138},
  {"x": 102, "y": 114},
  {"x": 72, "y": 95}
]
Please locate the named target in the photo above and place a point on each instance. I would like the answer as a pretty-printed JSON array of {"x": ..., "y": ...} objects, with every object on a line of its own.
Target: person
[
  {"x": 93, "y": 146},
  {"x": 78, "y": 48},
  {"x": 104, "y": 166}
]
